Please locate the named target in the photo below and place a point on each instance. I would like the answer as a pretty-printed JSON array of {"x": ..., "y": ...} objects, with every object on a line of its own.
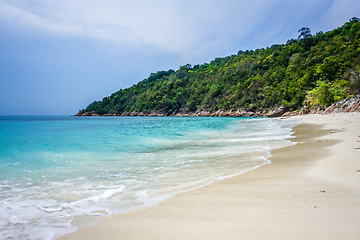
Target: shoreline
[{"x": 312, "y": 195}]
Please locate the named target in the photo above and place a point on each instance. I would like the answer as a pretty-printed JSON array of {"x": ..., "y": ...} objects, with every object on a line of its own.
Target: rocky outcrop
[
  {"x": 87, "y": 114},
  {"x": 317, "y": 110},
  {"x": 347, "y": 105},
  {"x": 277, "y": 112},
  {"x": 219, "y": 113},
  {"x": 290, "y": 114},
  {"x": 185, "y": 113}
]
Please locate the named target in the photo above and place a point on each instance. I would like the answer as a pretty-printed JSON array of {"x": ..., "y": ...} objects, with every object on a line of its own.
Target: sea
[{"x": 61, "y": 173}]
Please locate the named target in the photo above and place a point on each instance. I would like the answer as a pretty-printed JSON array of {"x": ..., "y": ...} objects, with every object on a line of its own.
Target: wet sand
[{"x": 310, "y": 190}]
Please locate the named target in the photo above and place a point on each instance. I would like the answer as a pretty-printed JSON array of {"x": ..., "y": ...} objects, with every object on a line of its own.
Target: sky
[{"x": 57, "y": 56}]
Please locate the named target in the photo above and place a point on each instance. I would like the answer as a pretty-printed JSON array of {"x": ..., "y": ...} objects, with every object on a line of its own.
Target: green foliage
[
  {"x": 329, "y": 68},
  {"x": 324, "y": 94},
  {"x": 315, "y": 69}
]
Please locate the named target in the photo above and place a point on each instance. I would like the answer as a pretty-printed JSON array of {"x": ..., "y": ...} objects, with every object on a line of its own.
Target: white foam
[{"x": 105, "y": 195}]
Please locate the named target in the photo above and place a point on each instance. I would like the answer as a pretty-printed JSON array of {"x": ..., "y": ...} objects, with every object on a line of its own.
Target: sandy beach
[{"x": 310, "y": 190}]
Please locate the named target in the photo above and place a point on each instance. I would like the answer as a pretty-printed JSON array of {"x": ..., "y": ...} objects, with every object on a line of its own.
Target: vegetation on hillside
[{"x": 312, "y": 70}]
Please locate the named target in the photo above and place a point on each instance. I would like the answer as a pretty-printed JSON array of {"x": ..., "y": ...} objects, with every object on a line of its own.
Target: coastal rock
[
  {"x": 347, "y": 105},
  {"x": 87, "y": 114},
  {"x": 304, "y": 110},
  {"x": 351, "y": 104},
  {"x": 183, "y": 112},
  {"x": 317, "y": 110},
  {"x": 290, "y": 114},
  {"x": 277, "y": 112},
  {"x": 218, "y": 113}
]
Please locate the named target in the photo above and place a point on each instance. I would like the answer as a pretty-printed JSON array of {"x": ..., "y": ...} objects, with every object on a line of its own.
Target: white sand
[{"x": 310, "y": 191}]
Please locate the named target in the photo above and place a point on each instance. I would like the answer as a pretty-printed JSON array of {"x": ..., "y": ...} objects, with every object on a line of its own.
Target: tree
[
  {"x": 324, "y": 94},
  {"x": 187, "y": 66},
  {"x": 329, "y": 68},
  {"x": 354, "y": 19},
  {"x": 305, "y": 33}
]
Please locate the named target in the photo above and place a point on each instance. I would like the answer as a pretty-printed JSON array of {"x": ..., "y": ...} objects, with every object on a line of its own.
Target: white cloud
[{"x": 171, "y": 25}]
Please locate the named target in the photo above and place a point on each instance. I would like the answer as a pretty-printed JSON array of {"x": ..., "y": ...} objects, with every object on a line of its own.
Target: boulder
[
  {"x": 277, "y": 112},
  {"x": 87, "y": 114},
  {"x": 289, "y": 114}
]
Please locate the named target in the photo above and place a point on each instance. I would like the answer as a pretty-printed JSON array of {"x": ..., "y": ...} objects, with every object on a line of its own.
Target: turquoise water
[{"x": 61, "y": 173}]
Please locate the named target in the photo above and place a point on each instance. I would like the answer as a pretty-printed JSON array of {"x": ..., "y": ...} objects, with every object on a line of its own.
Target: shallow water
[{"x": 61, "y": 173}]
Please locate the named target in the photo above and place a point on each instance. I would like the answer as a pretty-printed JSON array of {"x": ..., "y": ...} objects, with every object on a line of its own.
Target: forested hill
[{"x": 313, "y": 70}]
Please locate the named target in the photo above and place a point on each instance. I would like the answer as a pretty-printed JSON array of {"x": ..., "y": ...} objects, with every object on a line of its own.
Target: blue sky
[{"x": 56, "y": 57}]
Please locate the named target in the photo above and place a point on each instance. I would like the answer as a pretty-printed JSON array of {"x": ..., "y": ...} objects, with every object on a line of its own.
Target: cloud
[
  {"x": 186, "y": 28},
  {"x": 116, "y": 21},
  {"x": 17, "y": 15},
  {"x": 170, "y": 25}
]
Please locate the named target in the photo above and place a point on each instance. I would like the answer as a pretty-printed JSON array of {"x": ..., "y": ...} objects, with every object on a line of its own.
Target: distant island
[{"x": 304, "y": 74}]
